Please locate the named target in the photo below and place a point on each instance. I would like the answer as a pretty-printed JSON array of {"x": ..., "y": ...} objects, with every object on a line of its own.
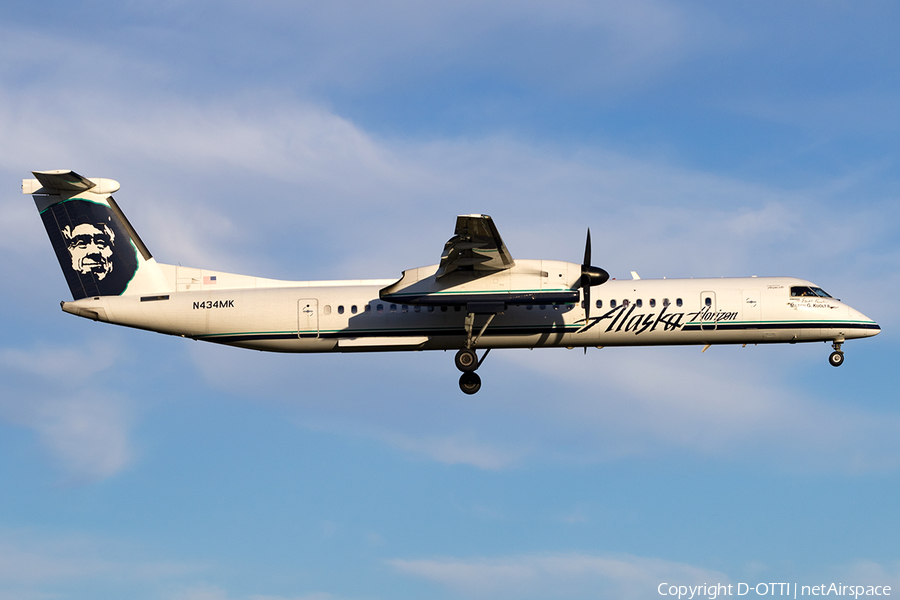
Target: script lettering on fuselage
[
  {"x": 623, "y": 318},
  {"x": 810, "y": 303},
  {"x": 214, "y": 304}
]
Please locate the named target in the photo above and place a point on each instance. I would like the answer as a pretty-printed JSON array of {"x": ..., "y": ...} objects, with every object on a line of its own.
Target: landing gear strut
[
  {"x": 836, "y": 358},
  {"x": 467, "y": 360}
]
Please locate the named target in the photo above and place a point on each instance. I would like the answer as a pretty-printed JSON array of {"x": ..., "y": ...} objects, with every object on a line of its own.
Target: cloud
[
  {"x": 868, "y": 572},
  {"x": 261, "y": 169},
  {"x": 356, "y": 47},
  {"x": 36, "y": 565},
  {"x": 212, "y": 592},
  {"x": 58, "y": 393},
  {"x": 455, "y": 448},
  {"x": 577, "y": 575},
  {"x": 556, "y": 575},
  {"x": 30, "y": 560},
  {"x": 730, "y": 403}
]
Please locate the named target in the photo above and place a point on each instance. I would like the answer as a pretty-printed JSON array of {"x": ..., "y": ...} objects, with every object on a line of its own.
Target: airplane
[{"x": 477, "y": 298}]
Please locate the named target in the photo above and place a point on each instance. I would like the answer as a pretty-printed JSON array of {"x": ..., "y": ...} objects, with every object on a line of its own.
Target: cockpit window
[{"x": 808, "y": 291}]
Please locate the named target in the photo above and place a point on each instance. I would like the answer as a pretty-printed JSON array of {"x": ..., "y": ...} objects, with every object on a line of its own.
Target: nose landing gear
[{"x": 836, "y": 358}]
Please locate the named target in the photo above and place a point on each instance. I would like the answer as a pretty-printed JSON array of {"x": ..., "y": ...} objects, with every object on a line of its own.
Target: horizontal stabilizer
[{"x": 55, "y": 182}]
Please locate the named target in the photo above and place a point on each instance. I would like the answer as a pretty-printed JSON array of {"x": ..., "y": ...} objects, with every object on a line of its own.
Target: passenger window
[
  {"x": 457, "y": 308},
  {"x": 393, "y": 308},
  {"x": 599, "y": 303},
  {"x": 639, "y": 303},
  {"x": 443, "y": 309},
  {"x": 326, "y": 309},
  {"x": 708, "y": 301},
  {"x": 417, "y": 308},
  {"x": 341, "y": 309},
  {"x": 529, "y": 307},
  {"x": 678, "y": 302},
  {"x": 652, "y": 302},
  {"x": 404, "y": 308},
  {"x": 612, "y": 303},
  {"x": 368, "y": 308},
  {"x": 543, "y": 307},
  {"x": 666, "y": 302},
  {"x": 353, "y": 309},
  {"x": 430, "y": 309},
  {"x": 626, "y": 302},
  {"x": 380, "y": 308}
]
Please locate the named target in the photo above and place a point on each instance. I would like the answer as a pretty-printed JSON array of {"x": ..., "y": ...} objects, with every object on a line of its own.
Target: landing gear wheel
[
  {"x": 466, "y": 361},
  {"x": 469, "y": 382},
  {"x": 836, "y": 359}
]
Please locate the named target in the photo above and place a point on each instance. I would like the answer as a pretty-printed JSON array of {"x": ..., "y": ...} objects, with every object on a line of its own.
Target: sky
[{"x": 305, "y": 141}]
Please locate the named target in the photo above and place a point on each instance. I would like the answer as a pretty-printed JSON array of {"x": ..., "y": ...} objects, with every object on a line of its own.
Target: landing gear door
[
  {"x": 708, "y": 311},
  {"x": 308, "y": 317}
]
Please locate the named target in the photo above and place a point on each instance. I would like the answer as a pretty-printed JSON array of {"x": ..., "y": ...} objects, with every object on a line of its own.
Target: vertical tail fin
[{"x": 99, "y": 251}]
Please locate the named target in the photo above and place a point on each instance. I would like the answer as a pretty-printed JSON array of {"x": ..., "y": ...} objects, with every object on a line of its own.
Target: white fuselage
[{"x": 349, "y": 316}]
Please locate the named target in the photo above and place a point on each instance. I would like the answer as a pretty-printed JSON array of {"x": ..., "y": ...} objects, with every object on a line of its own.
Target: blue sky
[{"x": 339, "y": 140}]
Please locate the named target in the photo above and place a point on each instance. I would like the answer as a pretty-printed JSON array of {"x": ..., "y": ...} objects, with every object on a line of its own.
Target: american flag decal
[{"x": 208, "y": 279}]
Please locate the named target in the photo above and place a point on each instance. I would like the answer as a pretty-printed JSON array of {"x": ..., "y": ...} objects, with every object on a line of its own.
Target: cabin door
[
  {"x": 708, "y": 311},
  {"x": 308, "y": 317}
]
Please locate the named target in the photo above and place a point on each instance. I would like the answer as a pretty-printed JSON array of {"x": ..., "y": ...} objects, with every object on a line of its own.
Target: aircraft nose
[{"x": 869, "y": 326}]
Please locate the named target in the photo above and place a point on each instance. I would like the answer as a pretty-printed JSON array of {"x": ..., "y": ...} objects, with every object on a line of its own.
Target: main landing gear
[
  {"x": 467, "y": 360},
  {"x": 836, "y": 358}
]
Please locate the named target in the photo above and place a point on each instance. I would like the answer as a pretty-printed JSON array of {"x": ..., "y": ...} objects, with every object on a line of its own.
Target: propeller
[{"x": 590, "y": 276}]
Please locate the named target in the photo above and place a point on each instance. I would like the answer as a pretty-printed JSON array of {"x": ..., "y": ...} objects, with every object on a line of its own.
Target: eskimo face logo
[{"x": 91, "y": 248}]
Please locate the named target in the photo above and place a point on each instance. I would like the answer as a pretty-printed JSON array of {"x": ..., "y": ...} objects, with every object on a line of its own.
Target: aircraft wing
[{"x": 475, "y": 246}]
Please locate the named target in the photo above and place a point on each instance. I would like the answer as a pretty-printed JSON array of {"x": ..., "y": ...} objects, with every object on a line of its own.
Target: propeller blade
[
  {"x": 586, "y": 277},
  {"x": 587, "y": 252}
]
